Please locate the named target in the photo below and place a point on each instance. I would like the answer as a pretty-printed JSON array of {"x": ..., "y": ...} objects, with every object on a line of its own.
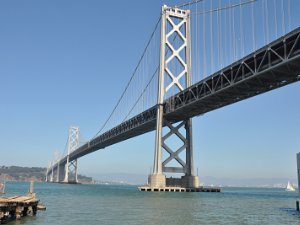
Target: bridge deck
[{"x": 273, "y": 66}]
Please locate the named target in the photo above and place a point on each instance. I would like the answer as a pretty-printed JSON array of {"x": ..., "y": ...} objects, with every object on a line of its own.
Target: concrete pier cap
[
  {"x": 157, "y": 180},
  {"x": 191, "y": 181},
  {"x": 160, "y": 181}
]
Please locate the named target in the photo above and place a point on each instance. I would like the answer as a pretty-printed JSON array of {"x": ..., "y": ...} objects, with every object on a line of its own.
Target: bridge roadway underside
[{"x": 271, "y": 67}]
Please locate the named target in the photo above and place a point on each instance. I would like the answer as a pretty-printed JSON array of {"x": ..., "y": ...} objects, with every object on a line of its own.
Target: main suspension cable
[
  {"x": 226, "y": 7},
  {"x": 131, "y": 78}
]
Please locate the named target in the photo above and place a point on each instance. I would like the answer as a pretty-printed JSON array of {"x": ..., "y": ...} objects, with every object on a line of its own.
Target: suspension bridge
[{"x": 233, "y": 50}]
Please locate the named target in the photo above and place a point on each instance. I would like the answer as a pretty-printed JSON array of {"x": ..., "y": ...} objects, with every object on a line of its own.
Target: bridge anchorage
[
  {"x": 65, "y": 170},
  {"x": 175, "y": 23}
]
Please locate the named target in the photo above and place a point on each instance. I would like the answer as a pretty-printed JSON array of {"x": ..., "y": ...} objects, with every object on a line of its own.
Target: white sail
[{"x": 290, "y": 187}]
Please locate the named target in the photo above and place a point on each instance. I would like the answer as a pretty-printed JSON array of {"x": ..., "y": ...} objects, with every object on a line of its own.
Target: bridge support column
[
  {"x": 175, "y": 25},
  {"x": 60, "y": 172},
  {"x": 76, "y": 171},
  {"x": 52, "y": 173},
  {"x": 57, "y": 172},
  {"x": 66, "y": 179},
  {"x": 47, "y": 173}
]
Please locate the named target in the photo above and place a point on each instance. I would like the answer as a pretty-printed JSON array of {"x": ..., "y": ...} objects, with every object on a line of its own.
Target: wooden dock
[
  {"x": 18, "y": 206},
  {"x": 180, "y": 189}
]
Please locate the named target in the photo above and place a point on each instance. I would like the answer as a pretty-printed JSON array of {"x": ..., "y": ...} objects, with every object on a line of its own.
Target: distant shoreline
[{"x": 26, "y": 174}]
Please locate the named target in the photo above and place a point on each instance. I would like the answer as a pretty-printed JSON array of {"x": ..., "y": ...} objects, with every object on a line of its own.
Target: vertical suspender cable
[
  {"x": 253, "y": 26},
  {"x": 219, "y": 36},
  {"x": 233, "y": 34},
  {"x": 230, "y": 33},
  {"x": 241, "y": 30},
  {"x": 264, "y": 20},
  {"x": 289, "y": 14},
  {"x": 283, "y": 18},
  {"x": 211, "y": 38},
  {"x": 275, "y": 15},
  {"x": 225, "y": 38},
  {"x": 204, "y": 46},
  {"x": 267, "y": 21},
  {"x": 196, "y": 78}
]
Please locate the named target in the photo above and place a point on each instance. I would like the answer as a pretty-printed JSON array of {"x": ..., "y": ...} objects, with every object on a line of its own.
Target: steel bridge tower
[
  {"x": 61, "y": 170},
  {"x": 71, "y": 166},
  {"x": 175, "y": 24}
]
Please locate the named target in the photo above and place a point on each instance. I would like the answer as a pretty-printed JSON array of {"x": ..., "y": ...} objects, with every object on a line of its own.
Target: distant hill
[{"x": 18, "y": 173}]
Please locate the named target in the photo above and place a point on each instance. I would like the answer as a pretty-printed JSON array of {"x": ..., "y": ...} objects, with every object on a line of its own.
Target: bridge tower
[
  {"x": 71, "y": 166},
  {"x": 175, "y": 24}
]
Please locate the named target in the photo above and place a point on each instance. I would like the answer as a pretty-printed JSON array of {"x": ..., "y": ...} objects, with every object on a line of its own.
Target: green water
[{"x": 122, "y": 205}]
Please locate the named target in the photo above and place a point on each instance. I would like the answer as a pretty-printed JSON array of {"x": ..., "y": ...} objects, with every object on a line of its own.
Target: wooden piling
[{"x": 17, "y": 207}]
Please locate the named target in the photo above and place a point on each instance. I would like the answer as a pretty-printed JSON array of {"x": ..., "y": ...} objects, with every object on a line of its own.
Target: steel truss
[{"x": 270, "y": 67}]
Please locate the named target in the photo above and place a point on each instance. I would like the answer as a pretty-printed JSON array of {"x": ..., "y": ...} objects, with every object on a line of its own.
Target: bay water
[{"x": 69, "y": 204}]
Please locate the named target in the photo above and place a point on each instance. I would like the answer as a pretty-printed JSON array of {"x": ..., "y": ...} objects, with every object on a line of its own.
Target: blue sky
[{"x": 65, "y": 63}]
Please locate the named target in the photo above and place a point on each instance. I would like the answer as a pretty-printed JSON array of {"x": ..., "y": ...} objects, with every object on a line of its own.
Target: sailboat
[{"x": 289, "y": 187}]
